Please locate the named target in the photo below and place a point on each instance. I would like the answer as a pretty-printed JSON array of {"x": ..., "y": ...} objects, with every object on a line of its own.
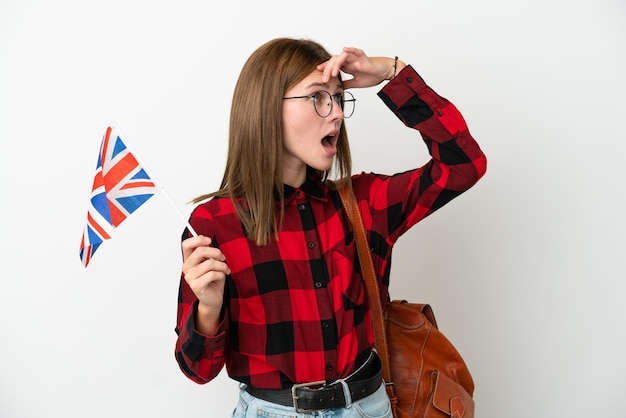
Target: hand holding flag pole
[{"x": 122, "y": 184}]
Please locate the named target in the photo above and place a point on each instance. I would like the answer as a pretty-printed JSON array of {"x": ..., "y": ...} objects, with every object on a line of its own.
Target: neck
[{"x": 294, "y": 177}]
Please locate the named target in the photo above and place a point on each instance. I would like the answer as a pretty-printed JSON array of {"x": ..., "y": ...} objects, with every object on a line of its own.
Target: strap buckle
[{"x": 295, "y": 397}]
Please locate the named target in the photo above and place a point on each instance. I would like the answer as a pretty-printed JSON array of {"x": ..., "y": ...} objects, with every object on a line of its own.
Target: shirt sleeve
[
  {"x": 200, "y": 357},
  {"x": 395, "y": 203}
]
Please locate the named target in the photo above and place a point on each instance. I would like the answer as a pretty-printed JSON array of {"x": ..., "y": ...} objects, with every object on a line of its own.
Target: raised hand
[{"x": 365, "y": 71}]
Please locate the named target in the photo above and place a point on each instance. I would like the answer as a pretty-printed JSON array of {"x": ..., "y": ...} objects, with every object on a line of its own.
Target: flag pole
[
  {"x": 157, "y": 183},
  {"x": 169, "y": 199}
]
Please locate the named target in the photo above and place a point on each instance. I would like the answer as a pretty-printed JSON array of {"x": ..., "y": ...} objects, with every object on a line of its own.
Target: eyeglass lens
[{"x": 323, "y": 103}]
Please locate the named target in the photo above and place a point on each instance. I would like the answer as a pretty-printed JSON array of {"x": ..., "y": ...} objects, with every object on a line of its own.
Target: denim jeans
[{"x": 375, "y": 405}]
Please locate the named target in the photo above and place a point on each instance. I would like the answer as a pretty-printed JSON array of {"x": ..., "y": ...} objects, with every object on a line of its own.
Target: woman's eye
[{"x": 316, "y": 96}]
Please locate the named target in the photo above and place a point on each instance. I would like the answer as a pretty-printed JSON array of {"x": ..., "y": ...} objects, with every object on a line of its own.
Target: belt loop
[{"x": 346, "y": 392}]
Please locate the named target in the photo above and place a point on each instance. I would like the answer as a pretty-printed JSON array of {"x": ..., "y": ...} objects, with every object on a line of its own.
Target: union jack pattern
[{"x": 120, "y": 186}]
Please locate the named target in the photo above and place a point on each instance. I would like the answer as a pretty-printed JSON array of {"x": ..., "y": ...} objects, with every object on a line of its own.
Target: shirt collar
[{"x": 311, "y": 187}]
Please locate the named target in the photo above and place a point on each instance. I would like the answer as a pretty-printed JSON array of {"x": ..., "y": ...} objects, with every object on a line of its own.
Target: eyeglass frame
[{"x": 333, "y": 99}]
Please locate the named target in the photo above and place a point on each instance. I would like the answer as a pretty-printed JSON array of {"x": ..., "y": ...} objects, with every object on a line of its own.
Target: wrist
[
  {"x": 207, "y": 319},
  {"x": 398, "y": 65}
]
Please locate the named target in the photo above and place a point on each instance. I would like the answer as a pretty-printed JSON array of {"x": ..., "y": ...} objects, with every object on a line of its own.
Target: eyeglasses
[{"x": 323, "y": 102}]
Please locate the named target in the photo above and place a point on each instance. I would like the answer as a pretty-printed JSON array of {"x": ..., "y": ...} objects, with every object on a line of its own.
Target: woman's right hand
[{"x": 205, "y": 270}]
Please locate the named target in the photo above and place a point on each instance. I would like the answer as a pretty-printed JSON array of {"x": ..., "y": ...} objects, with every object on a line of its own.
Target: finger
[
  {"x": 198, "y": 265},
  {"x": 209, "y": 288},
  {"x": 355, "y": 51},
  {"x": 210, "y": 280},
  {"x": 326, "y": 69},
  {"x": 202, "y": 275},
  {"x": 203, "y": 253},
  {"x": 332, "y": 67},
  {"x": 216, "y": 265},
  {"x": 334, "y": 63},
  {"x": 204, "y": 260},
  {"x": 190, "y": 244},
  {"x": 353, "y": 55}
]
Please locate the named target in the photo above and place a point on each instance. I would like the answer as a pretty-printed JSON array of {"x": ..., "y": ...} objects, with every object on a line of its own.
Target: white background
[{"x": 525, "y": 271}]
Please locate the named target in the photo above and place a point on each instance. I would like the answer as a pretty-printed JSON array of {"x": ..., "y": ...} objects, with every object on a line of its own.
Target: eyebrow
[{"x": 324, "y": 85}]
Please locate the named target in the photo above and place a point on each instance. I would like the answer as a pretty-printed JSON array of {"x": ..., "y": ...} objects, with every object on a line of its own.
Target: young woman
[{"x": 271, "y": 286}]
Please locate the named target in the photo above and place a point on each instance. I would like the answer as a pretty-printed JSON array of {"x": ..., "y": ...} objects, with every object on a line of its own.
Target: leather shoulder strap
[{"x": 371, "y": 282}]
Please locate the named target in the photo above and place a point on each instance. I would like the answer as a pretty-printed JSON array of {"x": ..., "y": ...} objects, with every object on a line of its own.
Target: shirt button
[
  {"x": 409, "y": 79},
  {"x": 324, "y": 324},
  {"x": 311, "y": 245},
  {"x": 318, "y": 285},
  {"x": 298, "y": 193},
  {"x": 439, "y": 113},
  {"x": 329, "y": 367},
  {"x": 301, "y": 207}
]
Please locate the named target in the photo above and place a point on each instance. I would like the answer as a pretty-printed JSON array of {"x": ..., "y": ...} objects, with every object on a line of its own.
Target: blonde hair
[{"x": 253, "y": 175}]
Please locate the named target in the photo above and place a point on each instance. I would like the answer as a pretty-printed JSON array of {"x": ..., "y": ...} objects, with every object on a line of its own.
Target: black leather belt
[{"x": 315, "y": 396}]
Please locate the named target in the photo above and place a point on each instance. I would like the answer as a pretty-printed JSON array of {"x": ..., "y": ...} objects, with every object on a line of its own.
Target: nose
[{"x": 336, "y": 112}]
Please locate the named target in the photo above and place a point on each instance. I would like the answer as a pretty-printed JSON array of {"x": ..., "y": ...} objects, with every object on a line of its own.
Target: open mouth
[{"x": 330, "y": 141}]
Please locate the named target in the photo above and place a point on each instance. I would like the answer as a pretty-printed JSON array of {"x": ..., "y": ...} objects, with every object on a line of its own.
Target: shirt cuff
[{"x": 209, "y": 342}]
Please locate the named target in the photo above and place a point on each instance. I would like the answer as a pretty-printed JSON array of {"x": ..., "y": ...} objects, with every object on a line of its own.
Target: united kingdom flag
[{"x": 121, "y": 185}]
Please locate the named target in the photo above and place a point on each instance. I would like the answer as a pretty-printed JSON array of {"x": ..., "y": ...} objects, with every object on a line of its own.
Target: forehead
[{"x": 314, "y": 82}]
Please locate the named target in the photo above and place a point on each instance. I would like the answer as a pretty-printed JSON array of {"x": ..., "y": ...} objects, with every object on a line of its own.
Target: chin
[{"x": 322, "y": 167}]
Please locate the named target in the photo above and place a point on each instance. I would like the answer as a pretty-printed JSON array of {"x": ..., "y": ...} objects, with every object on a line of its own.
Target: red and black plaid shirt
[{"x": 295, "y": 310}]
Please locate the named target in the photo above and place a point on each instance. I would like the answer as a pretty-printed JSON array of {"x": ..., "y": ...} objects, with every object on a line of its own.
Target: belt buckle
[{"x": 295, "y": 397}]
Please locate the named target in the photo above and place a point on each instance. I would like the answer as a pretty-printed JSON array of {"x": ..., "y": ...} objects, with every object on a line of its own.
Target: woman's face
[{"x": 309, "y": 139}]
